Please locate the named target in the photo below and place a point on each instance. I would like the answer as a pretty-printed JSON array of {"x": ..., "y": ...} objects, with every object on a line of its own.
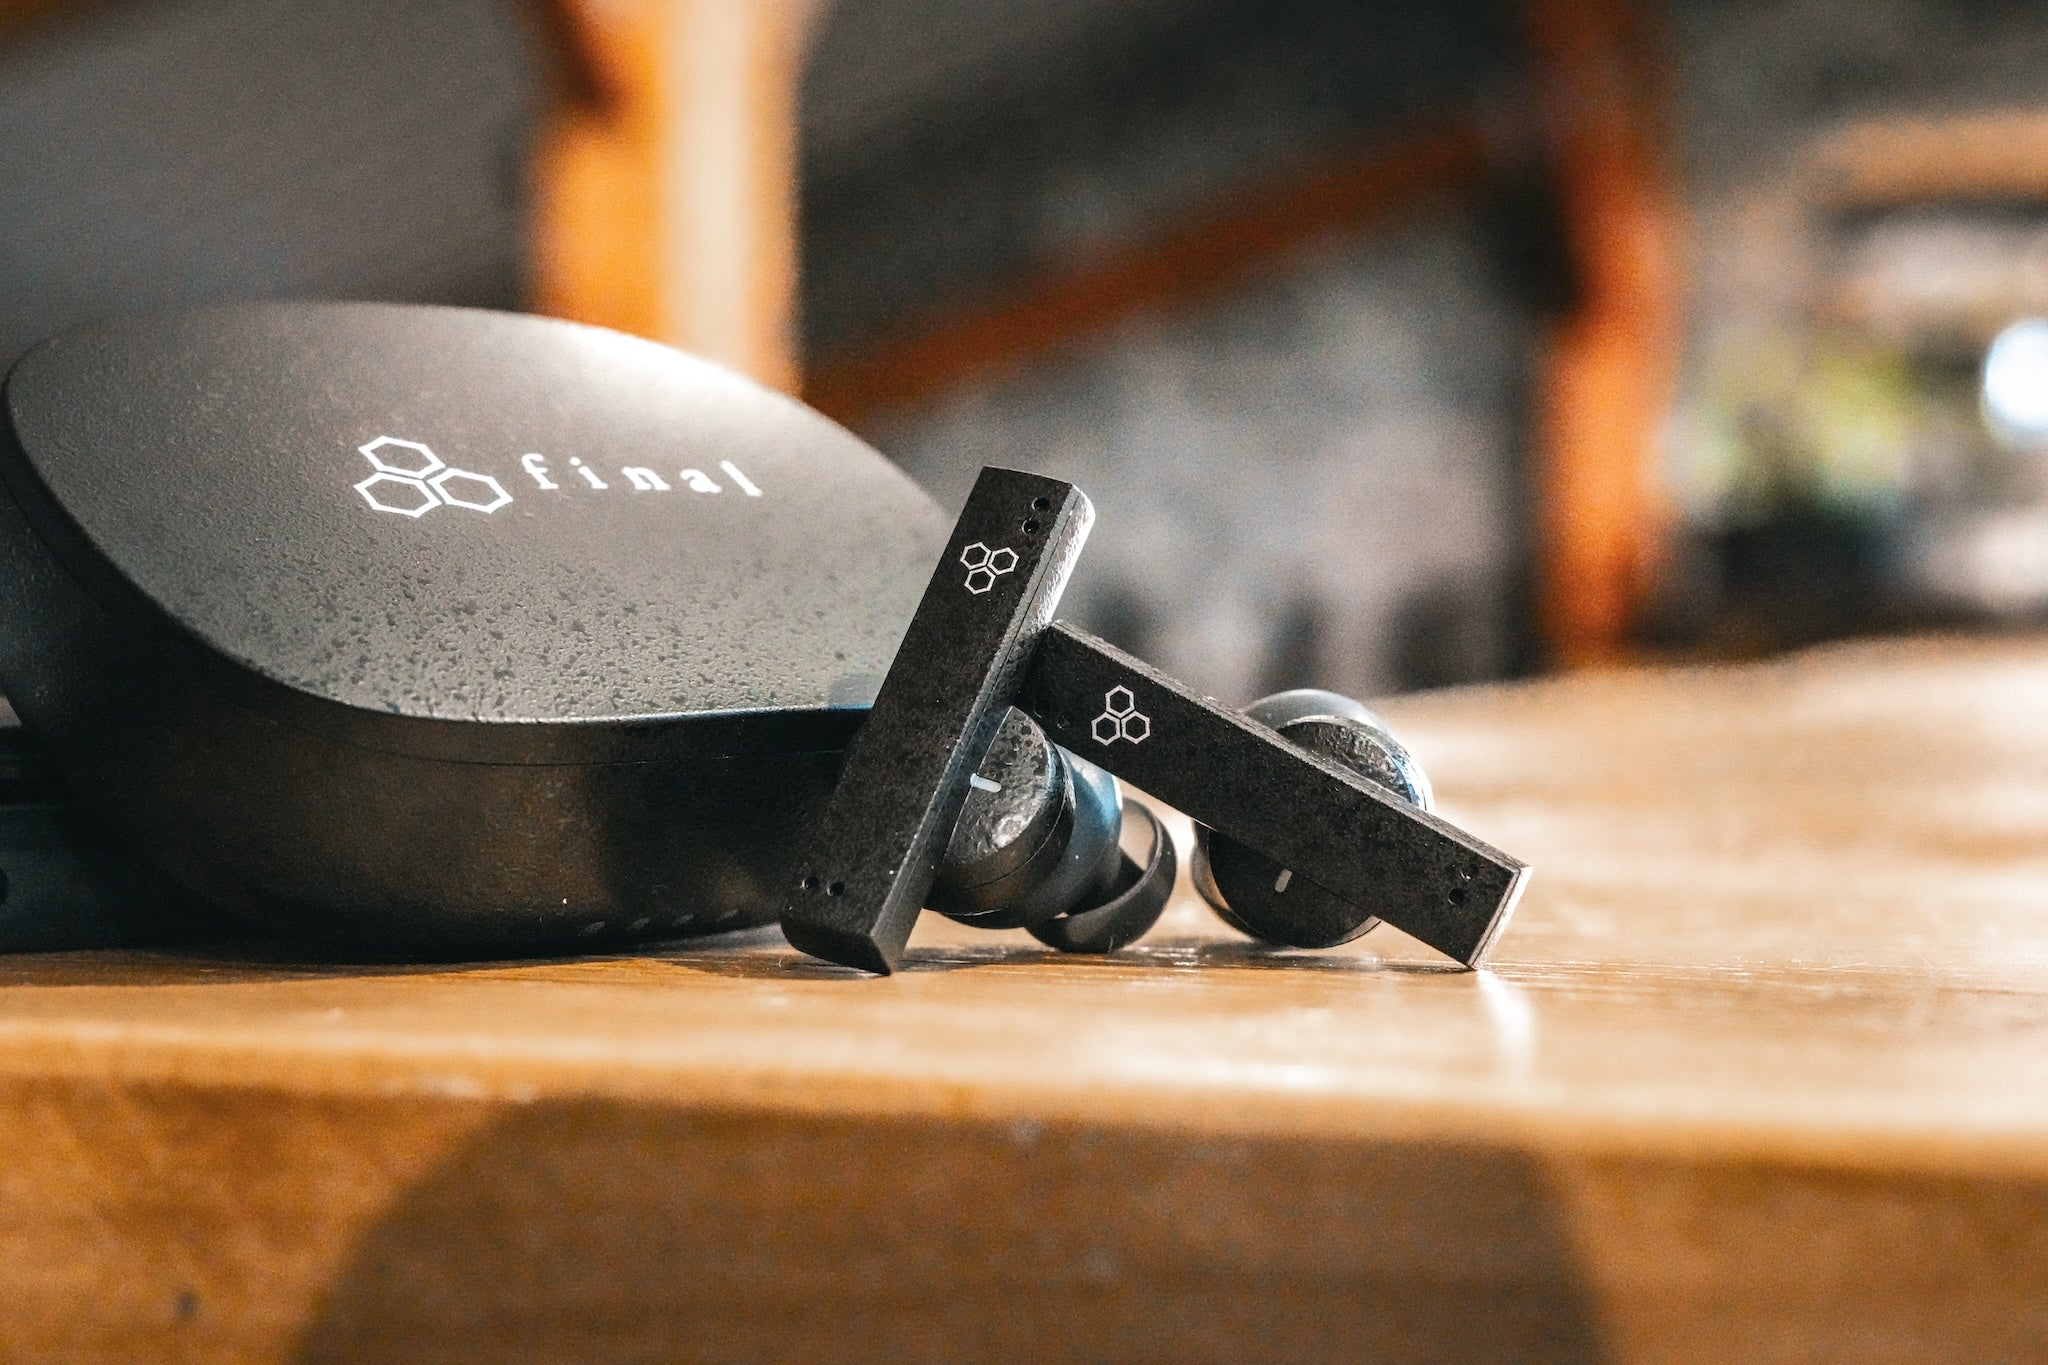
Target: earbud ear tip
[{"x": 1136, "y": 899}]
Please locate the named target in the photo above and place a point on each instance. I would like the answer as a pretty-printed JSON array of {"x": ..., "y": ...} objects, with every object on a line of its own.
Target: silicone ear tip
[{"x": 1136, "y": 900}]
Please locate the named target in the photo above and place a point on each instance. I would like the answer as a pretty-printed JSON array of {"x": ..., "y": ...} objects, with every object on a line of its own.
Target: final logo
[
  {"x": 1121, "y": 719},
  {"x": 985, "y": 566},
  {"x": 410, "y": 480}
]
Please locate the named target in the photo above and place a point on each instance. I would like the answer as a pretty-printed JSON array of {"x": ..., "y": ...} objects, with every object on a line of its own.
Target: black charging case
[{"x": 436, "y": 630}]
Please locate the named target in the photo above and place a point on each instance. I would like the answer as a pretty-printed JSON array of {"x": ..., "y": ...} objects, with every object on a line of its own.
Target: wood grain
[{"x": 1760, "y": 1073}]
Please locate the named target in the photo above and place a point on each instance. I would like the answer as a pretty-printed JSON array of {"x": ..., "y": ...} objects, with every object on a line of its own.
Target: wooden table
[{"x": 1760, "y": 1073}]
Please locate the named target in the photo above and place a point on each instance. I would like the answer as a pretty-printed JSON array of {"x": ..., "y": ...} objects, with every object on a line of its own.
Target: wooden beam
[
  {"x": 1215, "y": 247},
  {"x": 1997, "y": 154},
  {"x": 1605, "y": 381},
  {"x": 666, "y": 201}
]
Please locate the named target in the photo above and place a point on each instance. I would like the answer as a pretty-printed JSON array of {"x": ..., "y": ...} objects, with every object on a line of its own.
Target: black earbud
[
  {"x": 877, "y": 847},
  {"x": 983, "y": 640},
  {"x": 1037, "y": 843},
  {"x": 1256, "y": 895},
  {"x": 1037, "y": 847}
]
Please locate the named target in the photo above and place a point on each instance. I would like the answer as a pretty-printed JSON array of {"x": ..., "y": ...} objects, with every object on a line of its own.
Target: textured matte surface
[
  {"x": 1004, "y": 823},
  {"x": 870, "y": 862},
  {"x": 1015, "y": 823},
  {"x": 212, "y": 458},
  {"x": 529, "y": 718},
  {"x": 1417, "y": 872}
]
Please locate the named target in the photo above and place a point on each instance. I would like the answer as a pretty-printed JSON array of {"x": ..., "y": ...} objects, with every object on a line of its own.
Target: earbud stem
[
  {"x": 876, "y": 850},
  {"x": 1417, "y": 872}
]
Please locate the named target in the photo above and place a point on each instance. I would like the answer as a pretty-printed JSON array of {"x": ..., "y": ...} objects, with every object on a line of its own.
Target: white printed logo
[
  {"x": 1121, "y": 719},
  {"x": 985, "y": 566},
  {"x": 412, "y": 481}
]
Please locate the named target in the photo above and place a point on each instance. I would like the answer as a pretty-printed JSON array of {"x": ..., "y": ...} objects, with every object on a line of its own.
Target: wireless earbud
[
  {"x": 1258, "y": 896},
  {"x": 1037, "y": 848},
  {"x": 979, "y": 643},
  {"x": 1311, "y": 815},
  {"x": 876, "y": 852}
]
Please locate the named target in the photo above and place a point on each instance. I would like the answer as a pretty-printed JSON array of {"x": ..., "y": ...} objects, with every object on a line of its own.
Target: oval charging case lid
[{"x": 471, "y": 535}]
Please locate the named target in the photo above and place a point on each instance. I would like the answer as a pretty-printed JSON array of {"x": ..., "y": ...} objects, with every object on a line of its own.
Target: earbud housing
[
  {"x": 1256, "y": 895},
  {"x": 437, "y": 630},
  {"x": 1037, "y": 836}
]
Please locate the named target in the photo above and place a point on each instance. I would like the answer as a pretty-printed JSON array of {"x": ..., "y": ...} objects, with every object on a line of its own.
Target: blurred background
[{"x": 1399, "y": 343}]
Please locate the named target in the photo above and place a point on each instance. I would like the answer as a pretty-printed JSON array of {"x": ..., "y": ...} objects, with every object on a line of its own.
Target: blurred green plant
[{"x": 1826, "y": 420}]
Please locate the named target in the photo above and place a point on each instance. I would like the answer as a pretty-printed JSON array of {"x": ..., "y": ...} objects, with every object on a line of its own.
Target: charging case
[{"x": 433, "y": 630}]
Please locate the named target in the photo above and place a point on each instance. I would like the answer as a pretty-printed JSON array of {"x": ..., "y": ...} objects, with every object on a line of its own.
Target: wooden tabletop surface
[{"x": 1759, "y": 1071}]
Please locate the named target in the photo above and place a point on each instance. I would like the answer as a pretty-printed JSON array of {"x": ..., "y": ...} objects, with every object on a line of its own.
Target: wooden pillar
[
  {"x": 1605, "y": 381},
  {"x": 666, "y": 196}
]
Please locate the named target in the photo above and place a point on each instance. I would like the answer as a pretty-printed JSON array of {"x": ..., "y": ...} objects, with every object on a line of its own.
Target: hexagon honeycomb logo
[
  {"x": 398, "y": 494},
  {"x": 985, "y": 566},
  {"x": 477, "y": 492},
  {"x": 412, "y": 480},
  {"x": 1121, "y": 719},
  {"x": 389, "y": 455}
]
